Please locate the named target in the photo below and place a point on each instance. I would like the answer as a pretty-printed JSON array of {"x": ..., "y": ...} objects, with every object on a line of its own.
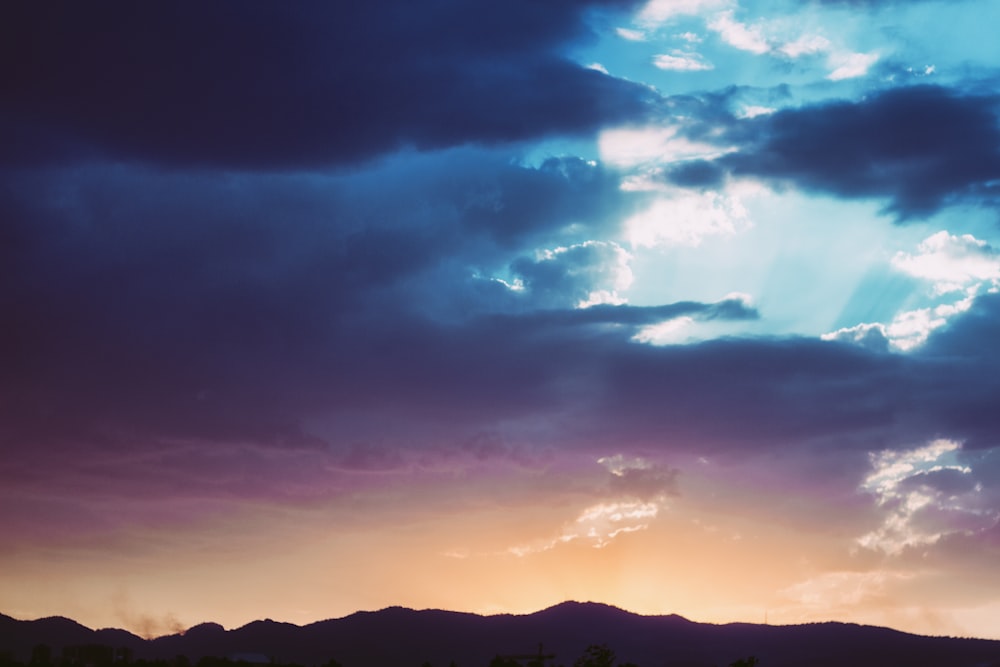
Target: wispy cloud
[
  {"x": 740, "y": 35},
  {"x": 682, "y": 61},
  {"x": 851, "y": 65}
]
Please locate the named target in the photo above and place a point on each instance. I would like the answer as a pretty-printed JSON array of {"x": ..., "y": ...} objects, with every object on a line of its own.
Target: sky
[{"x": 687, "y": 306}]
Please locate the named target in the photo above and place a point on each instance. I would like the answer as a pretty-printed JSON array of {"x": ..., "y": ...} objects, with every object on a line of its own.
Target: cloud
[
  {"x": 952, "y": 263},
  {"x": 911, "y": 328},
  {"x": 739, "y": 35},
  {"x": 585, "y": 274},
  {"x": 280, "y": 87},
  {"x": 638, "y": 479},
  {"x": 805, "y": 45},
  {"x": 851, "y": 65},
  {"x": 754, "y": 110},
  {"x": 173, "y": 312},
  {"x": 834, "y": 590},
  {"x": 927, "y": 493},
  {"x": 696, "y": 173},
  {"x": 208, "y": 330},
  {"x": 866, "y": 3},
  {"x": 689, "y": 37},
  {"x": 666, "y": 333},
  {"x": 640, "y": 316},
  {"x": 920, "y": 147},
  {"x": 657, "y": 12},
  {"x": 512, "y": 202},
  {"x": 682, "y": 326},
  {"x": 682, "y": 61},
  {"x": 291, "y": 262},
  {"x": 629, "y": 147},
  {"x": 219, "y": 286},
  {"x": 907, "y": 331},
  {"x": 871, "y": 336},
  {"x": 216, "y": 328},
  {"x": 597, "y": 525},
  {"x": 687, "y": 219},
  {"x": 768, "y": 36},
  {"x": 631, "y": 35}
]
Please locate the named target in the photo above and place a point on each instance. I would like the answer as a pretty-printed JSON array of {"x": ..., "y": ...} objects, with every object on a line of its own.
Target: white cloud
[
  {"x": 891, "y": 481},
  {"x": 604, "y": 266},
  {"x": 579, "y": 275},
  {"x": 598, "y": 67},
  {"x": 767, "y": 36},
  {"x": 851, "y": 65},
  {"x": 669, "y": 332},
  {"x": 619, "y": 464},
  {"x": 689, "y": 37},
  {"x": 870, "y": 336},
  {"x": 682, "y": 61},
  {"x": 515, "y": 285},
  {"x": 890, "y": 467},
  {"x": 602, "y": 297},
  {"x": 806, "y": 45},
  {"x": 740, "y": 35},
  {"x": 685, "y": 329},
  {"x": 627, "y": 512},
  {"x": 752, "y": 111},
  {"x": 907, "y": 331},
  {"x": 635, "y": 146},
  {"x": 686, "y": 219},
  {"x": 598, "y": 525},
  {"x": 952, "y": 263},
  {"x": 910, "y": 329},
  {"x": 631, "y": 35},
  {"x": 660, "y": 11}
]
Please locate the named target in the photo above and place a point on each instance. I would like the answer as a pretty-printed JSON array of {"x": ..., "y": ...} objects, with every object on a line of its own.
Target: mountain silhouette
[{"x": 400, "y": 637}]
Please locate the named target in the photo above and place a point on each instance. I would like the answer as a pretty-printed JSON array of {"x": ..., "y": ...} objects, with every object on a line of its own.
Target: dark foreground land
[{"x": 569, "y": 635}]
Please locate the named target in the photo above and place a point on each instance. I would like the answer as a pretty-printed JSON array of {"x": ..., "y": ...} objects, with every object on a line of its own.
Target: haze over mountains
[{"x": 398, "y": 636}]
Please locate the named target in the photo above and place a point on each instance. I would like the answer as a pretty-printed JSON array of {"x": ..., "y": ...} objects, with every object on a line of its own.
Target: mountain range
[{"x": 400, "y": 637}]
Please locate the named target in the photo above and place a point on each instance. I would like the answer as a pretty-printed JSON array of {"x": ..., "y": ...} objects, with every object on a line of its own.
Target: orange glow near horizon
[{"x": 706, "y": 566}]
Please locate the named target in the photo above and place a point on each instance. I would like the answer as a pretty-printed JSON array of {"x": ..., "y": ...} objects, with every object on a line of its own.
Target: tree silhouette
[
  {"x": 745, "y": 662},
  {"x": 503, "y": 661},
  {"x": 596, "y": 655}
]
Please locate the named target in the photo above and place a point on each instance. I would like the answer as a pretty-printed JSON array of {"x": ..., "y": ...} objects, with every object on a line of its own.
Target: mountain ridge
[{"x": 403, "y": 637}]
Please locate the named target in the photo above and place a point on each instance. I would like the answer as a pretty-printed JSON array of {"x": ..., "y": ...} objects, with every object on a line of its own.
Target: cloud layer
[
  {"x": 293, "y": 291},
  {"x": 268, "y": 87}
]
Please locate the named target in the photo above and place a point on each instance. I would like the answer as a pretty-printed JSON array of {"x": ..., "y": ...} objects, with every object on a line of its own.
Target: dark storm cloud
[
  {"x": 738, "y": 397},
  {"x": 222, "y": 306},
  {"x": 773, "y": 393},
  {"x": 144, "y": 307},
  {"x": 920, "y": 147},
  {"x": 275, "y": 85},
  {"x": 511, "y": 203},
  {"x": 966, "y": 408},
  {"x": 730, "y": 309},
  {"x": 211, "y": 321}
]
